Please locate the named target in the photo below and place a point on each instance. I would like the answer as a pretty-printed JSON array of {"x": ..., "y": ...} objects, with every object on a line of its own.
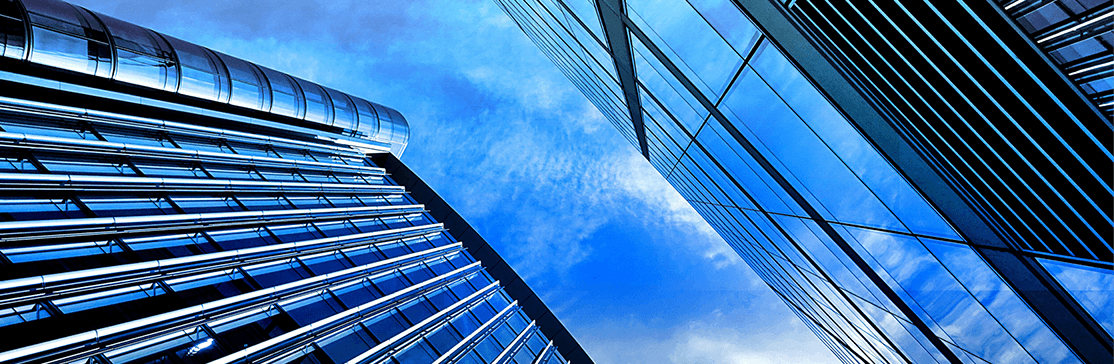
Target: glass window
[
  {"x": 417, "y": 273},
  {"x": 390, "y": 283},
  {"x": 248, "y": 87},
  {"x": 666, "y": 89},
  {"x": 68, "y": 37},
  {"x": 265, "y": 203},
  {"x": 143, "y": 57},
  {"x": 242, "y": 238},
  {"x": 524, "y": 357},
  {"x": 821, "y": 138},
  {"x": 517, "y": 322},
  {"x": 188, "y": 346},
  {"x": 983, "y": 283},
  {"x": 28, "y": 209},
  {"x": 1091, "y": 287},
  {"x": 419, "y": 353},
  {"x": 293, "y": 233},
  {"x": 364, "y": 255},
  {"x": 203, "y": 74},
  {"x": 312, "y": 309},
  {"x": 356, "y": 294},
  {"x": 125, "y": 206},
  {"x": 504, "y": 335},
  {"x": 466, "y": 323},
  {"x": 18, "y": 314},
  {"x": 244, "y": 331},
  {"x": 462, "y": 288},
  {"x": 489, "y": 349},
  {"x": 418, "y": 244},
  {"x": 344, "y": 110},
  {"x": 319, "y": 108},
  {"x": 368, "y": 120},
  {"x": 444, "y": 339},
  {"x": 394, "y": 249},
  {"x": 177, "y": 243},
  {"x": 286, "y": 95},
  {"x": 347, "y": 344},
  {"x": 203, "y": 280},
  {"x": 69, "y": 165},
  {"x": 689, "y": 41},
  {"x": 277, "y": 273},
  {"x": 944, "y": 301},
  {"x": 110, "y": 297},
  {"x": 417, "y": 310},
  {"x": 310, "y": 202},
  {"x": 326, "y": 262},
  {"x": 60, "y": 251},
  {"x": 442, "y": 298},
  {"x": 483, "y": 311},
  {"x": 15, "y": 163},
  {"x": 12, "y": 38},
  {"x": 386, "y": 326},
  {"x": 460, "y": 260},
  {"x": 200, "y": 205}
]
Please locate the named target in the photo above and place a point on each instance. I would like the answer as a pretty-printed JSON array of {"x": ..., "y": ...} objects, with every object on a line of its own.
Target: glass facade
[
  {"x": 137, "y": 227},
  {"x": 937, "y": 235}
]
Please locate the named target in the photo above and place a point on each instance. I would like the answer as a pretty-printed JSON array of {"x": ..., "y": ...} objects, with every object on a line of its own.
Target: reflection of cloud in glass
[
  {"x": 961, "y": 317},
  {"x": 1092, "y": 287},
  {"x": 1002, "y": 303}
]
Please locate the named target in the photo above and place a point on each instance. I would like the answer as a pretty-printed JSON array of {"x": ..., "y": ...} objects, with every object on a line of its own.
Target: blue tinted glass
[
  {"x": 347, "y": 345},
  {"x": 848, "y": 145},
  {"x": 444, "y": 339},
  {"x": 364, "y": 255},
  {"x": 442, "y": 298},
  {"x": 489, "y": 349},
  {"x": 418, "y": 274},
  {"x": 1093, "y": 288},
  {"x": 390, "y": 283},
  {"x": 272, "y": 275},
  {"x": 419, "y": 353},
  {"x": 356, "y": 294},
  {"x": 466, "y": 323},
  {"x": 385, "y": 326},
  {"x": 666, "y": 89},
  {"x": 417, "y": 310},
  {"x": 504, "y": 335},
  {"x": 483, "y": 311},
  {"x": 943, "y": 299},
  {"x": 729, "y": 22},
  {"x": 689, "y": 41},
  {"x": 1001, "y": 302},
  {"x": 310, "y": 310}
]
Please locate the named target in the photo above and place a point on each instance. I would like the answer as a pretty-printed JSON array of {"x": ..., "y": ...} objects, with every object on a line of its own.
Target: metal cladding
[
  {"x": 66, "y": 37},
  {"x": 164, "y": 203}
]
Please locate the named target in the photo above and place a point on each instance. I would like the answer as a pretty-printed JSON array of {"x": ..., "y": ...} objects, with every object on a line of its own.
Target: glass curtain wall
[
  {"x": 133, "y": 240},
  {"x": 842, "y": 237}
]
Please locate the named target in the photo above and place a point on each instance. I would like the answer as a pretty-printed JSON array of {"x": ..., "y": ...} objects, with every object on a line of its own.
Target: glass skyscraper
[
  {"x": 161, "y": 202},
  {"x": 920, "y": 181}
]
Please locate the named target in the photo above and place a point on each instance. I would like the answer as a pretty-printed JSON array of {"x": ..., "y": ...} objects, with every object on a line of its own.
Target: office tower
[
  {"x": 161, "y": 202},
  {"x": 919, "y": 181}
]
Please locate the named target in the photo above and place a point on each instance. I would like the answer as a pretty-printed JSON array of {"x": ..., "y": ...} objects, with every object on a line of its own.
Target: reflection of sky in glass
[
  {"x": 962, "y": 262},
  {"x": 586, "y": 11},
  {"x": 729, "y": 22},
  {"x": 1092, "y": 287},
  {"x": 659, "y": 81},
  {"x": 689, "y": 41},
  {"x": 946, "y": 302}
]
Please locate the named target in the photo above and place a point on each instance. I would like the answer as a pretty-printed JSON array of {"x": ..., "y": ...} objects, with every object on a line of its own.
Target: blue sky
[{"x": 633, "y": 272}]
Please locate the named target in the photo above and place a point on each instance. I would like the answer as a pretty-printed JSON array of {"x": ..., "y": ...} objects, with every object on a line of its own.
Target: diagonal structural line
[{"x": 619, "y": 44}]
